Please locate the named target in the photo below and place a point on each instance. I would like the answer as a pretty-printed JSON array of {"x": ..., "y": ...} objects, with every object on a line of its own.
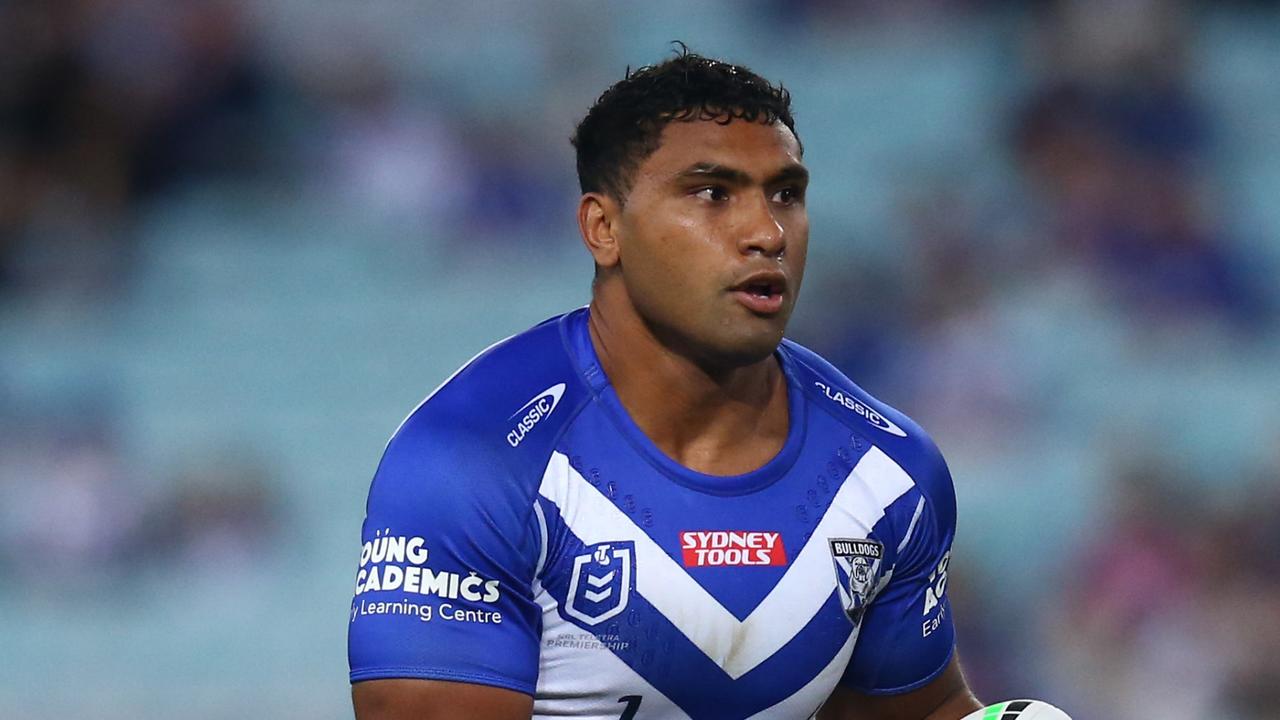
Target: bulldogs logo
[
  {"x": 601, "y": 583},
  {"x": 857, "y": 564}
]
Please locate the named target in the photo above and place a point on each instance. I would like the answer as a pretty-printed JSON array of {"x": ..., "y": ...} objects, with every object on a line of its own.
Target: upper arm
[
  {"x": 437, "y": 700},
  {"x": 444, "y": 585},
  {"x": 946, "y": 697},
  {"x": 906, "y": 638}
]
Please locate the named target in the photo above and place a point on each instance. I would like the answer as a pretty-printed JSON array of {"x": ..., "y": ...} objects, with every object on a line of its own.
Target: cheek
[
  {"x": 672, "y": 259},
  {"x": 677, "y": 273},
  {"x": 797, "y": 252},
  {"x": 673, "y": 284},
  {"x": 679, "y": 255}
]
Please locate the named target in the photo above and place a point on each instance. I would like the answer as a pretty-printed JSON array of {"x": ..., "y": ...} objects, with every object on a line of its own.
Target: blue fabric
[{"x": 461, "y": 478}]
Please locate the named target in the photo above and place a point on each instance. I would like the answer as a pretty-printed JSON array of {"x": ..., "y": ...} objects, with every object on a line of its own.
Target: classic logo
[
  {"x": 859, "y": 407},
  {"x": 601, "y": 583},
  {"x": 702, "y": 548},
  {"x": 542, "y": 405},
  {"x": 857, "y": 563}
]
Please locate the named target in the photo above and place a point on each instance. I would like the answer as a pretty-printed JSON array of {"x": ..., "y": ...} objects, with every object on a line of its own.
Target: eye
[
  {"x": 714, "y": 193},
  {"x": 788, "y": 196}
]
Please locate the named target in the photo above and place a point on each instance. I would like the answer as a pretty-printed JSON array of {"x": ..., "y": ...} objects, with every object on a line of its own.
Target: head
[{"x": 693, "y": 206}]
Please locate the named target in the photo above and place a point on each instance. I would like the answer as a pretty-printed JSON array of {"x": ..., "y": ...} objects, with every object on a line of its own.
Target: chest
[
  {"x": 665, "y": 604},
  {"x": 626, "y": 634}
]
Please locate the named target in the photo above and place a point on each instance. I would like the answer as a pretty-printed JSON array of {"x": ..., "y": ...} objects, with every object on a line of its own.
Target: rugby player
[{"x": 655, "y": 506}]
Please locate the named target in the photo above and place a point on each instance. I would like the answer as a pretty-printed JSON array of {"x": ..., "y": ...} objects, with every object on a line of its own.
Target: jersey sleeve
[
  {"x": 443, "y": 590},
  {"x": 907, "y": 636}
]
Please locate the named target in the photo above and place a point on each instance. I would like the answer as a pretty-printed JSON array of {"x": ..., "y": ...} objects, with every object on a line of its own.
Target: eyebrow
[{"x": 793, "y": 172}]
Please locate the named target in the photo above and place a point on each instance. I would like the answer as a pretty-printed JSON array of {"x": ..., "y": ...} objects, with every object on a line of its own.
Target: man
[{"x": 655, "y": 507}]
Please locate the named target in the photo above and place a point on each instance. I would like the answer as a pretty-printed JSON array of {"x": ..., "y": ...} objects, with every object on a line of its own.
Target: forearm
[{"x": 955, "y": 706}]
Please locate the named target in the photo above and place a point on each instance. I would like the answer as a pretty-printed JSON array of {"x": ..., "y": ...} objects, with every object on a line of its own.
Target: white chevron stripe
[
  {"x": 574, "y": 682},
  {"x": 664, "y": 584},
  {"x": 906, "y": 536},
  {"x": 736, "y": 646},
  {"x": 542, "y": 537}
]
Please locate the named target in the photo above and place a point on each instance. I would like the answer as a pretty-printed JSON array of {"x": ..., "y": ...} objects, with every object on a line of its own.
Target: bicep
[
  {"x": 946, "y": 697},
  {"x": 906, "y": 638},
  {"x": 443, "y": 589},
  {"x": 405, "y": 699},
  {"x": 904, "y": 666}
]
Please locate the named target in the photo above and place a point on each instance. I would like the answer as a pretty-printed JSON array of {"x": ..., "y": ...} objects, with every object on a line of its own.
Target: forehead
[{"x": 754, "y": 147}]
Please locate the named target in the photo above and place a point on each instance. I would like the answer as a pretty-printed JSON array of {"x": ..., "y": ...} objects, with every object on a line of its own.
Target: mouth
[{"x": 762, "y": 293}]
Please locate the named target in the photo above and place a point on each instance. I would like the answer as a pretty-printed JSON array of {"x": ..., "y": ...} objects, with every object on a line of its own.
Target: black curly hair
[{"x": 625, "y": 124}]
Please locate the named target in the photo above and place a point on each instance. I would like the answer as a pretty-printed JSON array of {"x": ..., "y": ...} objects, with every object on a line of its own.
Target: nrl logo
[
  {"x": 601, "y": 583},
  {"x": 857, "y": 564}
]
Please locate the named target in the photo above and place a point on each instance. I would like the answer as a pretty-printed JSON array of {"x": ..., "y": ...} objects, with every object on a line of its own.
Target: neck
[{"x": 715, "y": 420}]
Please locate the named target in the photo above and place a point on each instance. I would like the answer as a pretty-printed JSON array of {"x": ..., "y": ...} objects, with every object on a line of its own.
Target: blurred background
[{"x": 240, "y": 240}]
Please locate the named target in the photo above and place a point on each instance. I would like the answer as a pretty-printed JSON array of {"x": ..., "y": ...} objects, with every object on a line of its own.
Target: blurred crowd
[
  {"x": 76, "y": 513},
  {"x": 1107, "y": 243},
  {"x": 103, "y": 106},
  {"x": 1178, "y": 596},
  {"x": 1167, "y": 608},
  {"x": 107, "y": 105}
]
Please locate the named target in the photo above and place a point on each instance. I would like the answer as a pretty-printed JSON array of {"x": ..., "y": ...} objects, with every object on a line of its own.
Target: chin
[
  {"x": 747, "y": 349},
  {"x": 723, "y": 343}
]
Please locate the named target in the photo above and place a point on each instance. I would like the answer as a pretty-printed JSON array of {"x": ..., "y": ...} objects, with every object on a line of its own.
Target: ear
[{"x": 598, "y": 218}]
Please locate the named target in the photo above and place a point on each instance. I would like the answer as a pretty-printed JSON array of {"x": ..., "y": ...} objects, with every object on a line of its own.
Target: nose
[{"x": 761, "y": 231}]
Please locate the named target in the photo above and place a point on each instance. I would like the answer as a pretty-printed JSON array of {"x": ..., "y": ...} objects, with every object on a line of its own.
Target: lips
[{"x": 762, "y": 292}]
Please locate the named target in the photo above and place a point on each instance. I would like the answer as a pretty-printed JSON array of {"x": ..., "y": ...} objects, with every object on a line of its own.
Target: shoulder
[
  {"x": 498, "y": 416},
  {"x": 892, "y": 432}
]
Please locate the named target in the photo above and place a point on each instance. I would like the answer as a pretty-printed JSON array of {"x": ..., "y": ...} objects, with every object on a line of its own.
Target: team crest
[
  {"x": 601, "y": 583},
  {"x": 857, "y": 563}
]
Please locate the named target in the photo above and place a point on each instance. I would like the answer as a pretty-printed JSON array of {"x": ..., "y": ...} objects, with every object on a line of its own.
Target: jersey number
[{"x": 633, "y": 704}]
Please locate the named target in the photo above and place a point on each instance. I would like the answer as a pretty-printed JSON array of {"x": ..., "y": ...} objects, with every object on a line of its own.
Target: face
[{"x": 712, "y": 237}]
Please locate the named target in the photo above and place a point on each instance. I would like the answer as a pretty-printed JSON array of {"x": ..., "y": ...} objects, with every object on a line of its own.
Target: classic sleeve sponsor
[
  {"x": 907, "y": 635},
  {"x": 443, "y": 584}
]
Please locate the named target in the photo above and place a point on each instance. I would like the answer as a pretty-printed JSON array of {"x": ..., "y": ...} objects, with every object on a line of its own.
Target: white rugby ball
[{"x": 1018, "y": 710}]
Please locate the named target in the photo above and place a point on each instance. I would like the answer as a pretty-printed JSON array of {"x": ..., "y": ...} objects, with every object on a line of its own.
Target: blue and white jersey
[{"x": 522, "y": 532}]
